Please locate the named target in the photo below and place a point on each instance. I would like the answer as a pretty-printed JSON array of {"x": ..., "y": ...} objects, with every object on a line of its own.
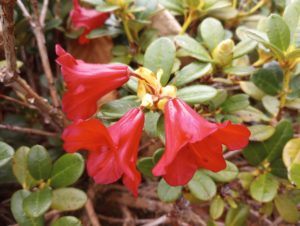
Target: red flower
[
  {"x": 89, "y": 19},
  {"x": 112, "y": 151},
  {"x": 86, "y": 83},
  {"x": 193, "y": 143}
]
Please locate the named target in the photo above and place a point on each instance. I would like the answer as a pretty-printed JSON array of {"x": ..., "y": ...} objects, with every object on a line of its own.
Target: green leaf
[
  {"x": 160, "y": 55},
  {"x": 271, "y": 149},
  {"x": 158, "y": 154},
  {"x": 271, "y": 104},
  {"x": 202, "y": 186},
  {"x": 263, "y": 39},
  {"x": 68, "y": 199},
  {"x": 235, "y": 103},
  {"x": 239, "y": 70},
  {"x": 261, "y": 132},
  {"x": 39, "y": 162},
  {"x": 252, "y": 114},
  {"x": 145, "y": 166},
  {"x": 275, "y": 145},
  {"x": 226, "y": 175},
  {"x": 196, "y": 94},
  {"x": 211, "y": 37},
  {"x": 67, "y": 170},
  {"x": 267, "y": 81},
  {"x": 193, "y": 48},
  {"x": 191, "y": 72},
  {"x": 291, "y": 16},
  {"x": 216, "y": 207},
  {"x": 161, "y": 128},
  {"x": 278, "y": 169},
  {"x": 168, "y": 193},
  {"x": 102, "y": 32},
  {"x": 20, "y": 168},
  {"x": 264, "y": 188},
  {"x": 38, "y": 202},
  {"x": 151, "y": 120},
  {"x": 291, "y": 152},
  {"x": 278, "y": 32},
  {"x": 287, "y": 209},
  {"x": 67, "y": 221},
  {"x": 237, "y": 216},
  {"x": 6, "y": 153},
  {"x": 106, "y": 7},
  {"x": 117, "y": 108},
  {"x": 252, "y": 90},
  {"x": 218, "y": 99},
  {"x": 294, "y": 174},
  {"x": 243, "y": 47},
  {"x": 245, "y": 179},
  {"x": 16, "y": 206}
]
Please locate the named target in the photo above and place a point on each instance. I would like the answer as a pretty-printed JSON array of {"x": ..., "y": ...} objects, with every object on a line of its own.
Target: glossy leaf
[
  {"x": 168, "y": 193},
  {"x": 261, "y": 132},
  {"x": 191, "y": 72},
  {"x": 67, "y": 221},
  {"x": 6, "y": 153},
  {"x": 216, "y": 207},
  {"x": 38, "y": 202},
  {"x": 252, "y": 90},
  {"x": 271, "y": 104},
  {"x": 264, "y": 188},
  {"x": 226, "y": 175},
  {"x": 39, "y": 162},
  {"x": 291, "y": 152},
  {"x": 202, "y": 186},
  {"x": 287, "y": 209},
  {"x": 67, "y": 170},
  {"x": 145, "y": 166},
  {"x": 235, "y": 103},
  {"x": 278, "y": 32},
  {"x": 237, "y": 216},
  {"x": 196, "y": 94},
  {"x": 68, "y": 199},
  {"x": 160, "y": 55}
]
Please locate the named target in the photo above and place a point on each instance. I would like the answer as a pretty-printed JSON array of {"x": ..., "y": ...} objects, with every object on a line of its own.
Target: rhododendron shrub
[{"x": 157, "y": 113}]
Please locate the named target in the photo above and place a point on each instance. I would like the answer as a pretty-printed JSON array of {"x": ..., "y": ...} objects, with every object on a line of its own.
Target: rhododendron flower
[
  {"x": 112, "y": 151},
  {"x": 86, "y": 83},
  {"x": 193, "y": 143},
  {"x": 88, "y": 19}
]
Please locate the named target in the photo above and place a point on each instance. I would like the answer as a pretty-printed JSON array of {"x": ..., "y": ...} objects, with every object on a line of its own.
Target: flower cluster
[{"x": 191, "y": 141}]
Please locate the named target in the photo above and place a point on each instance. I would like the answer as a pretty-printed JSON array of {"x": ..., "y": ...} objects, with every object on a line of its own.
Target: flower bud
[{"x": 223, "y": 53}]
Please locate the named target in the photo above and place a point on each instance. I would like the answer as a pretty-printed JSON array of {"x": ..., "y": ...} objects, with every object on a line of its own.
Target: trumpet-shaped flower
[
  {"x": 192, "y": 143},
  {"x": 88, "y": 19},
  {"x": 112, "y": 151},
  {"x": 86, "y": 83}
]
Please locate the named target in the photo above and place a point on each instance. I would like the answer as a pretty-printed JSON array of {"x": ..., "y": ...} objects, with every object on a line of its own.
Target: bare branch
[
  {"x": 28, "y": 130},
  {"x": 36, "y": 26},
  {"x": 44, "y": 12},
  {"x": 11, "y": 99}
]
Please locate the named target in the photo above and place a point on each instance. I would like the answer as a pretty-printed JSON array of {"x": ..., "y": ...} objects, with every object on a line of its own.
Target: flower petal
[
  {"x": 235, "y": 137},
  {"x": 90, "y": 135}
]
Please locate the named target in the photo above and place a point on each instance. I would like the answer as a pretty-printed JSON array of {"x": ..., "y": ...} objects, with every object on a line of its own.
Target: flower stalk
[{"x": 187, "y": 22}]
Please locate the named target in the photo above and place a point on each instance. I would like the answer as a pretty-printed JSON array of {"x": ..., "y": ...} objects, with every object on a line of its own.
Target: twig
[
  {"x": 11, "y": 99},
  {"x": 27, "y": 130},
  {"x": 161, "y": 220},
  {"x": 36, "y": 26},
  {"x": 9, "y": 74},
  {"x": 44, "y": 12},
  {"x": 89, "y": 208},
  {"x": 128, "y": 219},
  {"x": 230, "y": 154}
]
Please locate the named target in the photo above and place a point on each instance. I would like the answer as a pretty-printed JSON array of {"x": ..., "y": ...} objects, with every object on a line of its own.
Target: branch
[
  {"x": 11, "y": 99},
  {"x": 7, "y": 20},
  {"x": 36, "y": 26},
  {"x": 9, "y": 74},
  {"x": 44, "y": 12},
  {"x": 27, "y": 130}
]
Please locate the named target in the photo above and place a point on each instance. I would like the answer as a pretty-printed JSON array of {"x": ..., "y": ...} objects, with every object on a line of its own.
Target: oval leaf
[
  {"x": 226, "y": 175},
  {"x": 261, "y": 132},
  {"x": 68, "y": 199},
  {"x": 6, "y": 153},
  {"x": 196, "y": 94},
  {"x": 287, "y": 209},
  {"x": 264, "y": 188},
  {"x": 291, "y": 152},
  {"x": 37, "y": 203},
  {"x": 202, "y": 186},
  {"x": 168, "y": 193},
  {"x": 216, "y": 207},
  {"x": 66, "y": 170},
  {"x": 67, "y": 221},
  {"x": 161, "y": 55},
  {"x": 39, "y": 162}
]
